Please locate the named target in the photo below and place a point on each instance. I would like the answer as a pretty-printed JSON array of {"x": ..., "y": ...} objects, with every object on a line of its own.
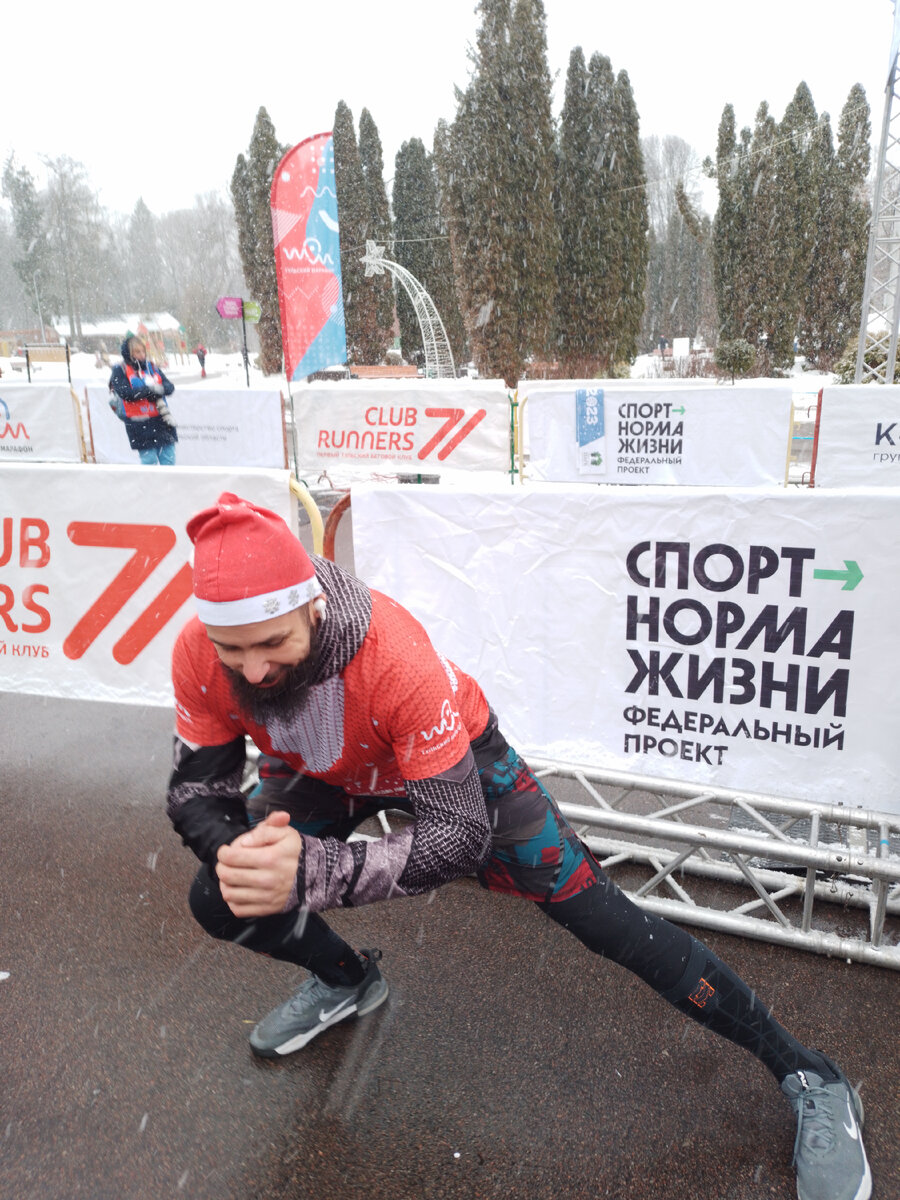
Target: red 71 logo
[
  {"x": 151, "y": 544},
  {"x": 453, "y": 417}
]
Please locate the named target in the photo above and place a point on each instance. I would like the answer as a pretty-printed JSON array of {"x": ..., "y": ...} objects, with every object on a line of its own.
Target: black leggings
[{"x": 553, "y": 868}]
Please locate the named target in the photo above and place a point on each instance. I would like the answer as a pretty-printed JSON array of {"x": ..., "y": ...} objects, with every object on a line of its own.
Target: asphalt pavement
[{"x": 508, "y": 1062}]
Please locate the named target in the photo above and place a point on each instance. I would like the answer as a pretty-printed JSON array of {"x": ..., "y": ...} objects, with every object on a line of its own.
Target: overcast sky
[{"x": 158, "y": 100}]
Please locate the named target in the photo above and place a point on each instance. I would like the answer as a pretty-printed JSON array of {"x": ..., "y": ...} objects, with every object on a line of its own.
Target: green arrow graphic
[
  {"x": 851, "y": 577},
  {"x": 679, "y": 410}
]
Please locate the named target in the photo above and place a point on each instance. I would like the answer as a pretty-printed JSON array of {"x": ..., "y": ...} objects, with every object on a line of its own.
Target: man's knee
[{"x": 207, "y": 906}]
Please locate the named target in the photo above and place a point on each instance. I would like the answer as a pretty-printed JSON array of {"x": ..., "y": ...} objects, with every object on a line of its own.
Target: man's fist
[{"x": 258, "y": 870}]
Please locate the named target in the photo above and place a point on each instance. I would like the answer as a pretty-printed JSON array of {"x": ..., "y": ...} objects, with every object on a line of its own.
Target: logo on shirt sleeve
[{"x": 450, "y": 722}]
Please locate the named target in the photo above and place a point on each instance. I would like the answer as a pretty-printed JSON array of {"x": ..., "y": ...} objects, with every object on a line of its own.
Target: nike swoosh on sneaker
[
  {"x": 324, "y": 1016},
  {"x": 852, "y": 1129}
]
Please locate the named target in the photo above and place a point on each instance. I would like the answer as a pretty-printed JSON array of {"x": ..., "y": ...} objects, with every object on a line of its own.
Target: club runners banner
[
  {"x": 415, "y": 425},
  {"x": 228, "y": 428},
  {"x": 38, "y": 423},
  {"x": 95, "y": 574},
  {"x": 738, "y": 638},
  {"x": 583, "y": 431},
  {"x": 858, "y": 442},
  {"x": 308, "y": 258}
]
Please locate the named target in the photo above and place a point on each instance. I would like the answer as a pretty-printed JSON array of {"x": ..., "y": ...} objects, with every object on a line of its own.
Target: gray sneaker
[
  {"x": 828, "y": 1153},
  {"x": 314, "y": 1006}
]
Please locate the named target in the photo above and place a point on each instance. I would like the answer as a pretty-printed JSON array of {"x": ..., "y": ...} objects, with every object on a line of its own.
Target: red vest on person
[{"x": 140, "y": 410}]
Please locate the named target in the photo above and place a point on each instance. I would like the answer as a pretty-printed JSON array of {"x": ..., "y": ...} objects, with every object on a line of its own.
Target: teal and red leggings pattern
[{"x": 535, "y": 854}]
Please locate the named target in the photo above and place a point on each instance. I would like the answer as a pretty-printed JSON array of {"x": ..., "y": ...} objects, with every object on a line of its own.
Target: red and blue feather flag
[{"x": 308, "y": 258}]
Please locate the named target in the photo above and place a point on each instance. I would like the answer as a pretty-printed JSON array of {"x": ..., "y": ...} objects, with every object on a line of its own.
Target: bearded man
[{"x": 354, "y": 711}]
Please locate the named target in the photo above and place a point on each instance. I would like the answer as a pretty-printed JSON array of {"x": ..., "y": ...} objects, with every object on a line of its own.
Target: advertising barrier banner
[
  {"x": 95, "y": 577},
  {"x": 215, "y": 429},
  {"x": 580, "y": 431},
  {"x": 859, "y": 437},
  {"x": 38, "y": 423},
  {"x": 733, "y": 638},
  {"x": 403, "y": 425}
]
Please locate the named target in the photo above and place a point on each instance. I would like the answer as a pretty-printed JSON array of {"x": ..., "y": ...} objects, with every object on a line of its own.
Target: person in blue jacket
[{"x": 138, "y": 390}]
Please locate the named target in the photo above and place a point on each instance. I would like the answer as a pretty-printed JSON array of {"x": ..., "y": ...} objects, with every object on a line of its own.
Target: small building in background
[{"x": 164, "y": 334}]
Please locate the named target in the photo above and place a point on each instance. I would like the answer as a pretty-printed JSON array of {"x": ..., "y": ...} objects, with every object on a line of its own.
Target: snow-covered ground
[
  {"x": 646, "y": 367},
  {"x": 222, "y": 371},
  {"x": 227, "y": 371}
]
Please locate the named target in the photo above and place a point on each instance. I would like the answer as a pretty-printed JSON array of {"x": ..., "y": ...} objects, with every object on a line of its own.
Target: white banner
[
  {"x": 215, "y": 429},
  {"x": 402, "y": 425},
  {"x": 611, "y": 432},
  {"x": 38, "y": 423},
  {"x": 95, "y": 576},
  {"x": 859, "y": 437},
  {"x": 736, "y": 638}
]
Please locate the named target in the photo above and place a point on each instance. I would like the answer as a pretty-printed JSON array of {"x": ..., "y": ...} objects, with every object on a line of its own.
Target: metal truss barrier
[
  {"x": 880, "y": 324},
  {"x": 782, "y": 849},
  {"x": 847, "y": 858}
]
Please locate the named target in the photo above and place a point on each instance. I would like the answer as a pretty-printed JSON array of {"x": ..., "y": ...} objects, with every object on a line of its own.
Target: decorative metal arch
[
  {"x": 438, "y": 355},
  {"x": 880, "y": 324}
]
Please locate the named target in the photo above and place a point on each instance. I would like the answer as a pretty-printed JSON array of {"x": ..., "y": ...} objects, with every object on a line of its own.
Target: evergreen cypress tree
[
  {"x": 601, "y": 204},
  {"x": 442, "y": 284},
  {"x": 680, "y": 297},
  {"x": 413, "y": 230},
  {"x": 498, "y": 173},
  {"x": 364, "y": 342},
  {"x": 371, "y": 159},
  {"x": 607, "y": 155},
  {"x": 654, "y": 323},
  {"x": 745, "y": 242},
  {"x": 695, "y": 295},
  {"x": 251, "y": 185},
  {"x": 480, "y": 198},
  {"x": 580, "y": 281},
  {"x": 767, "y": 238},
  {"x": 798, "y": 182},
  {"x": 836, "y": 274},
  {"x": 535, "y": 246},
  {"x": 634, "y": 219},
  {"x": 787, "y": 216},
  {"x": 728, "y": 240},
  {"x": 854, "y": 211},
  {"x": 823, "y": 278},
  {"x": 421, "y": 246}
]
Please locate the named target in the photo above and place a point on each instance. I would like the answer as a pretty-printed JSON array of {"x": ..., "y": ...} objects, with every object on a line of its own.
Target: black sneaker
[
  {"x": 828, "y": 1153},
  {"x": 314, "y": 1006}
]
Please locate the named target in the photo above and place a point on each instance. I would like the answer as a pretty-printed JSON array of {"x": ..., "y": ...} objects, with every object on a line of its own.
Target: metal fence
[
  {"x": 787, "y": 871},
  {"x": 823, "y": 878}
]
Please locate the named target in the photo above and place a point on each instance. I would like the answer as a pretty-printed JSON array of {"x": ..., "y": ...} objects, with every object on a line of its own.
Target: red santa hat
[{"x": 248, "y": 566}]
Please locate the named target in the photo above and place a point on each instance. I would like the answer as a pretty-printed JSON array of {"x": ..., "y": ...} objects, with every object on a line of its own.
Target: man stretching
[{"x": 354, "y": 712}]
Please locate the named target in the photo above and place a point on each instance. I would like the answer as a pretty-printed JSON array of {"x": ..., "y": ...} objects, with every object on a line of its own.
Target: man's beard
[{"x": 286, "y": 696}]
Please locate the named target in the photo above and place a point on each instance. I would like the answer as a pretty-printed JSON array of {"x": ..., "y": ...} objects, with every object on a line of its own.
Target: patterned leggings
[{"x": 537, "y": 856}]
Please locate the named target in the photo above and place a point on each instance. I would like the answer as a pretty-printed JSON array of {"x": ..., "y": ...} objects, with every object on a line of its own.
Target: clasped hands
[{"x": 258, "y": 870}]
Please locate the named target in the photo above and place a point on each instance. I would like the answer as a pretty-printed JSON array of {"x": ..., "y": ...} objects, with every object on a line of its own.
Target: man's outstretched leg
[
  {"x": 828, "y": 1151},
  {"x": 536, "y": 854},
  {"x": 342, "y": 982}
]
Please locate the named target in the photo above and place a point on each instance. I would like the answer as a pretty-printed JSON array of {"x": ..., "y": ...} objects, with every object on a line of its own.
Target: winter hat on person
[{"x": 248, "y": 566}]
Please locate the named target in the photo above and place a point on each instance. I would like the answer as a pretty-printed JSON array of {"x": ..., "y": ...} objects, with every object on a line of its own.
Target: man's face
[{"x": 270, "y": 664}]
